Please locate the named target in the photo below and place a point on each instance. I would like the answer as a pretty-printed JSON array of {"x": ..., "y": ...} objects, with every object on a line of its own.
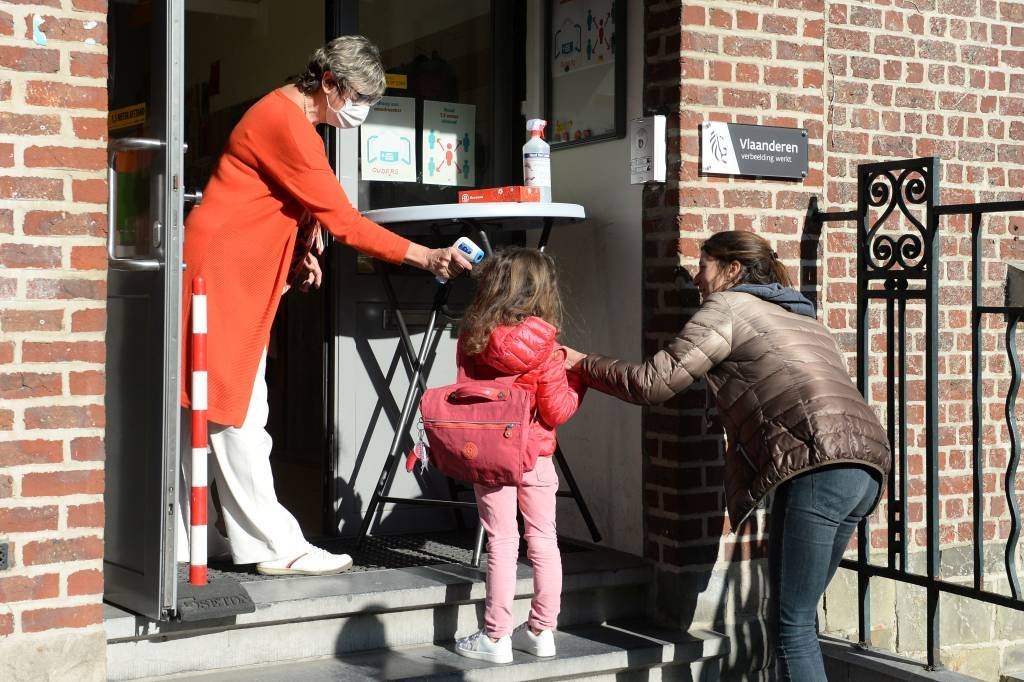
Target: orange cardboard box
[{"x": 513, "y": 193}]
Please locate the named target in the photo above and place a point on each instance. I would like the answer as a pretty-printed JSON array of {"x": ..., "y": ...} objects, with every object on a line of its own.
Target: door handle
[
  {"x": 195, "y": 198},
  {"x": 120, "y": 145}
]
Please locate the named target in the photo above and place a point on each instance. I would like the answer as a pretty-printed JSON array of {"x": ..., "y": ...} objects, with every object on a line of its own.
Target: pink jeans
[{"x": 497, "y": 506}]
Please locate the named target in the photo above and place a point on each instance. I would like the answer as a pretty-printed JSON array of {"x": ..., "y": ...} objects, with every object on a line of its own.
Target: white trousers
[{"x": 258, "y": 527}]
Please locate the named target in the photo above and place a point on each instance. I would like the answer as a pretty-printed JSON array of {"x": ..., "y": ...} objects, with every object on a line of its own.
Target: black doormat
[{"x": 382, "y": 552}]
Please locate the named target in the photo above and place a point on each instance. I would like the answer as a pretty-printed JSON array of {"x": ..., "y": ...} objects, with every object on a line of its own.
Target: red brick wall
[
  {"x": 870, "y": 81},
  {"x": 53, "y": 103}
]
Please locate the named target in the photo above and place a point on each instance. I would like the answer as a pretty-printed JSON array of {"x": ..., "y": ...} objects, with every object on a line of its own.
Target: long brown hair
[
  {"x": 758, "y": 262},
  {"x": 512, "y": 284}
]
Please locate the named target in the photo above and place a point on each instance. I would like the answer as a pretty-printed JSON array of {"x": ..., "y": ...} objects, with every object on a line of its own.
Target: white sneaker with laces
[
  {"x": 542, "y": 645},
  {"x": 480, "y": 646},
  {"x": 314, "y": 561}
]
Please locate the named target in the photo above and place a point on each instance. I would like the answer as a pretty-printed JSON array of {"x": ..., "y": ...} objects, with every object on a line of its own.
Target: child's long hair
[{"x": 512, "y": 285}]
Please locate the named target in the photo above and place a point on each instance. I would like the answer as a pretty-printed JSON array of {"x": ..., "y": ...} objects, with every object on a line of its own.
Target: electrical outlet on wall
[{"x": 5, "y": 558}]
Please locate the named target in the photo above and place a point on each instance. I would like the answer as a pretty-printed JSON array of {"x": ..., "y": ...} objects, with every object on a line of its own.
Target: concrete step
[
  {"x": 847, "y": 662},
  {"x": 629, "y": 650},
  {"x": 304, "y": 618}
]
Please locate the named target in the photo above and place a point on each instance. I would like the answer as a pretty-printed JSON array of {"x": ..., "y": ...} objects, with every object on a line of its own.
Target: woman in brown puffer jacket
[{"x": 794, "y": 422}]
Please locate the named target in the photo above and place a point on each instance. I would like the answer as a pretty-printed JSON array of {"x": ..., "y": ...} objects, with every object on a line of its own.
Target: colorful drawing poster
[
  {"x": 582, "y": 35},
  {"x": 583, "y": 70},
  {"x": 388, "y": 141},
  {"x": 449, "y": 133}
]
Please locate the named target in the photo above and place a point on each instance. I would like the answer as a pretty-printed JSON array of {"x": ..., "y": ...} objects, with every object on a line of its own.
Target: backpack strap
[
  {"x": 509, "y": 379},
  {"x": 463, "y": 377}
]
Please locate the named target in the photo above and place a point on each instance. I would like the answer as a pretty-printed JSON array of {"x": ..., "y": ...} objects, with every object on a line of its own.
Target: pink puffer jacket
[{"x": 530, "y": 349}]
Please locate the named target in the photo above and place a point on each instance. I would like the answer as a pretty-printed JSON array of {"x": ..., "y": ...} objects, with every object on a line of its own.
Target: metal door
[{"x": 143, "y": 304}]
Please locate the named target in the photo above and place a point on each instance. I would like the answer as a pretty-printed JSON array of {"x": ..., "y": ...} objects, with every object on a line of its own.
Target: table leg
[
  {"x": 403, "y": 329},
  {"x": 412, "y": 397},
  {"x": 548, "y": 222},
  {"x": 574, "y": 491},
  {"x": 478, "y": 549},
  {"x": 485, "y": 242}
]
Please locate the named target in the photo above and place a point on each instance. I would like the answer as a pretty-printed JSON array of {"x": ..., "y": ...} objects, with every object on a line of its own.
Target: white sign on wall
[
  {"x": 387, "y": 138},
  {"x": 449, "y": 134}
]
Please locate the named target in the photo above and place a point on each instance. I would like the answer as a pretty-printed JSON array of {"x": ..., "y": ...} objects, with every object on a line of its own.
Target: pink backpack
[{"x": 478, "y": 430}]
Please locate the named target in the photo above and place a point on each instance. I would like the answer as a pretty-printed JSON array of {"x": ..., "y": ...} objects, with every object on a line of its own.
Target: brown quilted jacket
[{"x": 783, "y": 393}]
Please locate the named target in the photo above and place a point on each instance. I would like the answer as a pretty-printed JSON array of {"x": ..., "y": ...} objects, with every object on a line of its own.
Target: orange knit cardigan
[{"x": 240, "y": 239}]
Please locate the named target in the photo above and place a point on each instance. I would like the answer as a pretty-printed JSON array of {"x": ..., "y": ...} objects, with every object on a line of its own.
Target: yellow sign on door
[
  {"x": 125, "y": 117},
  {"x": 397, "y": 80}
]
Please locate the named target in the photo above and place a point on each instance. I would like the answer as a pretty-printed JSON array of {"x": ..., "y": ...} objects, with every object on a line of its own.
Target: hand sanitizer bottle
[{"x": 537, "y": 159}]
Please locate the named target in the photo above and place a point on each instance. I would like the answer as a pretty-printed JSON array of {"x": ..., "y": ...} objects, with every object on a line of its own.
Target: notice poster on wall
[
  {"x": 583, "y": 35},
  {"x": 584, "y": 38},
  {"x": 387, "y": 141},
  {"x": 449, "y": 132}
]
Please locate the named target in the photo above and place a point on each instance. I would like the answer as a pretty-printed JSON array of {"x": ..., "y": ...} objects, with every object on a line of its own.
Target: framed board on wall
[{"x": 585, "y": 71}]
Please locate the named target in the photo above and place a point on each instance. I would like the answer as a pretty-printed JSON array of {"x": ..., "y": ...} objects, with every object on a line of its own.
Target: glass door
[
  {"x": 235, "y": 54},
  {"x": 443, "y": 53},
  {"x": 143, "y": 308},
  {"x": 438, "y": 54}
]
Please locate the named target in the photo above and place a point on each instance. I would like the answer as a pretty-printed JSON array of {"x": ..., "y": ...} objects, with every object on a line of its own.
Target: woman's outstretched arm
[{"x": 705, "y": 341}]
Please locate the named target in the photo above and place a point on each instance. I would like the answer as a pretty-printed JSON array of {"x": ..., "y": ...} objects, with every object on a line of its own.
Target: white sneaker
[
  {"x": 314, "y": 561},
  {"x": 482, "y": 647},
  {"x": 542, "y": 645}
]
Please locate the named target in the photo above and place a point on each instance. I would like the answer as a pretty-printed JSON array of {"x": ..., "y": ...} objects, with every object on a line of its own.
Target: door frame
[
  {"x": 343, "y": 152},
  {"x": 152, "y": 592},
  {"x": 174, "y": 273}
]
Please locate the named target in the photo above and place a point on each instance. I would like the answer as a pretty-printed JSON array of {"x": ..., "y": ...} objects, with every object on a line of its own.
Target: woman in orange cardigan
[{"x": 240, "y": 239}]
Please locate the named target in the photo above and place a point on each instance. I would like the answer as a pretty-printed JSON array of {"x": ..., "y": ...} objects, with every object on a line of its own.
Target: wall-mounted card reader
[{"x": 647, "y": 149}]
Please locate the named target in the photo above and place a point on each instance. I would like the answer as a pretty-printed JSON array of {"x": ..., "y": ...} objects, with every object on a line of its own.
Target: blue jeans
[{"x": 812, "y": 519}]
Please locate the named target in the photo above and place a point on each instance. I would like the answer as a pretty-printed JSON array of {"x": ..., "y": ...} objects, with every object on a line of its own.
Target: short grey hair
[{"x": 355, "y": 63}]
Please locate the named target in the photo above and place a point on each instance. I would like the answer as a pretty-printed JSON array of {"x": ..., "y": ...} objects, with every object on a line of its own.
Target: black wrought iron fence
[{"x": 901, "y": 267}]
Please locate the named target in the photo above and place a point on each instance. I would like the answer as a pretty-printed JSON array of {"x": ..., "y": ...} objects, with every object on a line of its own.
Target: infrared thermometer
[{"x": 473, "y": 253}]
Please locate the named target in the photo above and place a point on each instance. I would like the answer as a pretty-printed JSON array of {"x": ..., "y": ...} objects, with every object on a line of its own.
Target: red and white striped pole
[{"x": 197, "y": 565}]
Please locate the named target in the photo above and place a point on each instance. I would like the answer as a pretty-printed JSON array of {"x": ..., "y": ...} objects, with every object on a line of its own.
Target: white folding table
[{"x": 478, "y": 220}]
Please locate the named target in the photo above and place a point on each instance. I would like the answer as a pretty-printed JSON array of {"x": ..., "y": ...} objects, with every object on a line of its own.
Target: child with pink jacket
[{"x": 511, "y": 329}]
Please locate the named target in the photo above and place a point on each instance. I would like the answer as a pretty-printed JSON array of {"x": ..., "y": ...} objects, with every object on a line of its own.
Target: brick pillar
[
  {"x": 869, "y": 82},
  {"x": 53, "y": 103},
  {"x": 743, "y": 64}
]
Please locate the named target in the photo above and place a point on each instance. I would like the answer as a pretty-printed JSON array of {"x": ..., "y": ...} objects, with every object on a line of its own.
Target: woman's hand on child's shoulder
[{"x": 573, "y": 358}]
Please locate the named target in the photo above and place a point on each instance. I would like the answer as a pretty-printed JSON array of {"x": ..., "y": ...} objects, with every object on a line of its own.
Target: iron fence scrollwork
[{"x": 898, "y": 226}]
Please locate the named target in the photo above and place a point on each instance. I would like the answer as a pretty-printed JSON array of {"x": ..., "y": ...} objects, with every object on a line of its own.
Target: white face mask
[{"x": 348, "y": 115}]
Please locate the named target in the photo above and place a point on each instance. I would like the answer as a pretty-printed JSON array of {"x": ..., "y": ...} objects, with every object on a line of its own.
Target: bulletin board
[{"x": 585, "y": 71}]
